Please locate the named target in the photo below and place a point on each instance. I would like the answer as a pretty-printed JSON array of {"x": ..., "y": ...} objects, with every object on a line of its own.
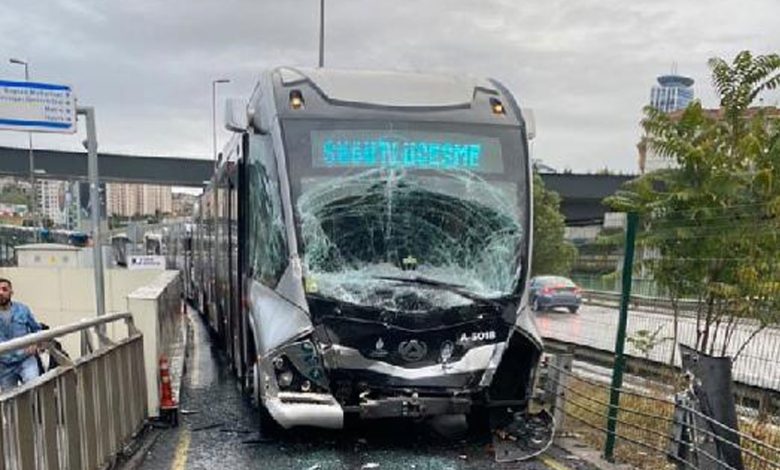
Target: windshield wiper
[{"x": 448, "y": 286}]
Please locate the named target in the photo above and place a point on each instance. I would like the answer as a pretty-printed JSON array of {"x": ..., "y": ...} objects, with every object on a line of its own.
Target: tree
[
  {"x": 713, "y": 219},
  {"x": 551, "y": 253},
  {"x": 645, "y": 340},
  {"x": 15, "y": 195}
]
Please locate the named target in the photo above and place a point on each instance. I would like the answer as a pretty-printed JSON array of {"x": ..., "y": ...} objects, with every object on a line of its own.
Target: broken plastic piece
[{"x": 527, "y": 435}]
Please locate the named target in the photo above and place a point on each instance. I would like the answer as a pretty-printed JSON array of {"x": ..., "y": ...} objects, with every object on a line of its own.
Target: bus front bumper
[{"x": 411, "y": 407}]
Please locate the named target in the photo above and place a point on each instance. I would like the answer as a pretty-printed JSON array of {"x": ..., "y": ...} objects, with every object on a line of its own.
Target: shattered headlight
[{"x": 298, "y": 368}]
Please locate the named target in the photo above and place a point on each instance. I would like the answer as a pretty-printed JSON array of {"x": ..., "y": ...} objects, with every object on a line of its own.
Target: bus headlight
[
  {"x": 497, "y": 106},
  {"x": 285, "y": 379},
  {"x": 298, "y": 366},
  {"x": 296, "y": 99}
]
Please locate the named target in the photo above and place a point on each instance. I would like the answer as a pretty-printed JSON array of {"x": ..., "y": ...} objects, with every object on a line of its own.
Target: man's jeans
[{"x": 23, "y": 372}]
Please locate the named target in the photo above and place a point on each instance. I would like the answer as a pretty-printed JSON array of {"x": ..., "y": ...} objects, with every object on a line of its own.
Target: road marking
[
  {"x": 552, "y": 463},
  {"x": 195, "y": 369},
  {"x": 180, "y": 456}
]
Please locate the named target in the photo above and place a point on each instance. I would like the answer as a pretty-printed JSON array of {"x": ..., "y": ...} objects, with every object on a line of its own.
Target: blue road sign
[{"x": 37, "y": 107}]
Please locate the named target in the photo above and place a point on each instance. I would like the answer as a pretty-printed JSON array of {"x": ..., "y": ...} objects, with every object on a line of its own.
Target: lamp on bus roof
[
  {"x": 497, "y": 106},
  {"x": 296, "y": 99}
]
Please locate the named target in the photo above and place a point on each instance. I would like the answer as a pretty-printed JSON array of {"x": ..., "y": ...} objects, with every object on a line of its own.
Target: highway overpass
[{"x": 581, "y": 194}]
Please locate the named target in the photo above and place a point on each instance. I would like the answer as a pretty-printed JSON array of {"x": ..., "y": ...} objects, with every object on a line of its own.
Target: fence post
[
  {"x": 551, "y": 382},
  {"x": 620, "y": 340},
  {"x": 562, "y": 368}
]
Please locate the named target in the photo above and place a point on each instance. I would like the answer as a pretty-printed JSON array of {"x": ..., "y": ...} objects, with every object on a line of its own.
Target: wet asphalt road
[
  {"x": 218, "y": 430},
  {"x": 596, "y": 326}
]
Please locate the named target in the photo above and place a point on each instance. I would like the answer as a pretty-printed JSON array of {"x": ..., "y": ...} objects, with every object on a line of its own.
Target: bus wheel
[
  {"x": 478, "y": 420},
  {"x": 269, "y": 428},
  {"x": 251, "y": 385}
]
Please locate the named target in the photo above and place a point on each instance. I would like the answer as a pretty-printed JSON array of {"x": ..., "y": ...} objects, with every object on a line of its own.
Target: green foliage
[
  {"x": 645, "y": 340},
  {"x": 713, "y": 219},
  {"x": 551, "y": 253},
  {"x": 14, "y": 195}
]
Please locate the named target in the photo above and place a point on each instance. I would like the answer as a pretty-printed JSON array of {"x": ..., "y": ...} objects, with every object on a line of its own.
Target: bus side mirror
[
  {"x": 236, "y": 119},
  {"x": 530, "y": 122}
]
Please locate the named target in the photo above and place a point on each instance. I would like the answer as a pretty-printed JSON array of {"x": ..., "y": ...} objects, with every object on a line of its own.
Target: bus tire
[
  {"x": 269, "y": 428},
  {"x": 478, "y": 420}
]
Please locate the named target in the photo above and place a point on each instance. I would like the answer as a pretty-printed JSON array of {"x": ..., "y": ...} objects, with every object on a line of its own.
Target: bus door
[{"x": 234, "y": 319}]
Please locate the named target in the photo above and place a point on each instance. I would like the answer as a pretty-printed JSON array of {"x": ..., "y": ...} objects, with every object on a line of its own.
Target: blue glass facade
[{"x": 673, "y": 92}]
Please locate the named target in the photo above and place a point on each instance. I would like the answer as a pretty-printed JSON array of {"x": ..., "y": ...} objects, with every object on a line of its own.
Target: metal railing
[
  {"x": 79, "y": 414},
  {"x": 640, "y": 302},
  {"x": 654, "y": 430},
  {"x": 753, "y": 401}
]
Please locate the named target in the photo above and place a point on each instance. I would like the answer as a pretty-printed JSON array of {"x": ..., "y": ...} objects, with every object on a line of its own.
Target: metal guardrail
[
  {"x": 765, "y": 402},
  {"x": 79, "y": 414},
  {"x": 656, "y": 429},
  {"x": 656, "y": 304}
]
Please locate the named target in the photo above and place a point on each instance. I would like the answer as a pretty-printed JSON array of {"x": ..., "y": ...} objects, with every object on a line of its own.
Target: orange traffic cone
[{"x": 166, "y": 393}]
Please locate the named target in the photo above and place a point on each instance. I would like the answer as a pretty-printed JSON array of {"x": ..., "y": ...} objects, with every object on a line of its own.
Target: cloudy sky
[{"x": 584, "y": 66}]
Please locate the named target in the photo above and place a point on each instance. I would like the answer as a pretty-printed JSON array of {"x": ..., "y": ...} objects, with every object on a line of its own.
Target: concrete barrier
[{"x": 156, "y": 309}]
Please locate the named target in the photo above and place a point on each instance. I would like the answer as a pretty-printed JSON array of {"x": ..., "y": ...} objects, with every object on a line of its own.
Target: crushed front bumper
[
  {"x": 305, "y": 409},
  {"x": 412, "y": 407}
]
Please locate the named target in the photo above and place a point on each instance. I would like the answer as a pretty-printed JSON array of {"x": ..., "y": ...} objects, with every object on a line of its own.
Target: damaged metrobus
[{"x": 364, "y": 247}]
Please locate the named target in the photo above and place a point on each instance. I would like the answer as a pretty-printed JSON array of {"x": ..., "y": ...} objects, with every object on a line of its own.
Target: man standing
[{"x": 15, "y": 320}]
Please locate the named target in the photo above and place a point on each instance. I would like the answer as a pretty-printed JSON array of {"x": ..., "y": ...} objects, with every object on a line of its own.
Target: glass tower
[{"x": 672, "y": 93}]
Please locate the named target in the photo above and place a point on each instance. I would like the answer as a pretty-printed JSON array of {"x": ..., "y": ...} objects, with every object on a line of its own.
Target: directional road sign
[{"x": 37, "y": 107}]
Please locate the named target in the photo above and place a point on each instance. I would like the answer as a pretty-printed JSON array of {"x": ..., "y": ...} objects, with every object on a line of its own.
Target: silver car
[{"x": 547, "y": 292}]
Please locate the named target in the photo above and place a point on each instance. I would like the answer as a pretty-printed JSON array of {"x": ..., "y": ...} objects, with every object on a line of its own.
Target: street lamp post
[
  {"x": 322, "y": 34},
  {"x": 214, "y": 115},
  {"x": 34, "y": 208}
]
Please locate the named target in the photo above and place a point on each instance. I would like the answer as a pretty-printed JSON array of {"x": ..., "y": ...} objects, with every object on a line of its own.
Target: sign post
[
  {"x": 45, "y": 107},
  {"x": 94, "y": 202}
]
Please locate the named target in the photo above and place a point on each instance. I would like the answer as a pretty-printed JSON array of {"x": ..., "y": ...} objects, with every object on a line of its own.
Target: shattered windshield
[{"x": 413, "y": 229}]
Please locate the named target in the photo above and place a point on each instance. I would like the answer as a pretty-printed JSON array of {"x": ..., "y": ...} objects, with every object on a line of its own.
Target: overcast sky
[{"x": 584, "y": 66}]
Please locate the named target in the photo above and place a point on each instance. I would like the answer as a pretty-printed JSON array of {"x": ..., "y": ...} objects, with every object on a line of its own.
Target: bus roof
[{"x": 389, "y": 88}]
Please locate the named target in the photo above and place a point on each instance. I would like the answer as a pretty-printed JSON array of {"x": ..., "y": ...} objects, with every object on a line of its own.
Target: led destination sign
[
  {"x": 409, "y": 149},
  {"x": 401, "y": 154}
]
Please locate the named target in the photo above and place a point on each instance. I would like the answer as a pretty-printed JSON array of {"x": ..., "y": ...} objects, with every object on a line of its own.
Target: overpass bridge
[
  {"x": 114, "y": 168},
  {"x": 581, "y": 194}
]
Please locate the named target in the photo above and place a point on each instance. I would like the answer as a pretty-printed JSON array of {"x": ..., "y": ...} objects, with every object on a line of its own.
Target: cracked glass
[
  {"x": 411, "y": 237},
  {"x": 268, "y": 246}
]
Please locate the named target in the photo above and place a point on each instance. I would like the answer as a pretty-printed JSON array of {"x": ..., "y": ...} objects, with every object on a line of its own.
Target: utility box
[
  {"x": 615, "y": 220},
  {"x": 47, "y": 255}
]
